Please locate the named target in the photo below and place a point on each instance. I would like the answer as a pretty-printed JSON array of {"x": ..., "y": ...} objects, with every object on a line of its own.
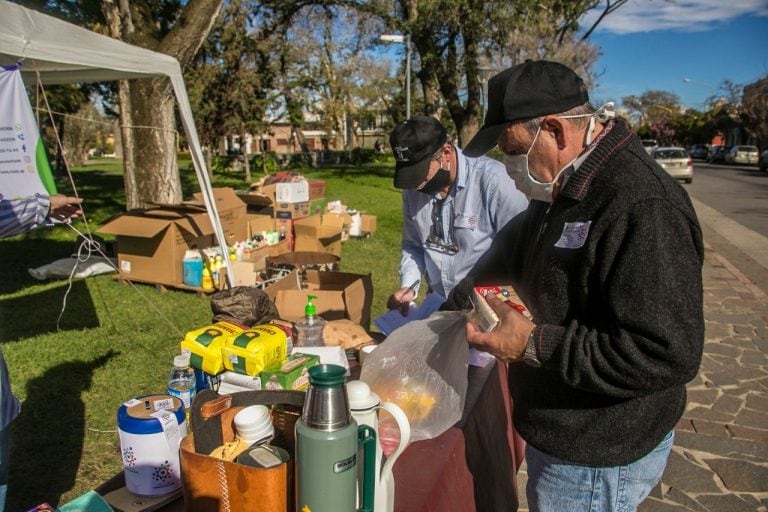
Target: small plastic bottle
[
  {"x": 309, "y": 329},
  {"x": 207, "y": 281},
  {"x": 181, "y": 382}
]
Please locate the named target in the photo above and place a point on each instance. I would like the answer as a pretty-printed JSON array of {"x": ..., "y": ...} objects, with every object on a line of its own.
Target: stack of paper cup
[{"x": 254, "y": 424}]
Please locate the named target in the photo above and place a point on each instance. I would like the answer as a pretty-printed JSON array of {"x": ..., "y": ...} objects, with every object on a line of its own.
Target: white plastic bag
[{"x": 422, "y": 367}]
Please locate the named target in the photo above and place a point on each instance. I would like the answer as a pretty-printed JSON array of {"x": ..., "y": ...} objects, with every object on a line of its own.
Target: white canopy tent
[{"x": 59, "y": 52}]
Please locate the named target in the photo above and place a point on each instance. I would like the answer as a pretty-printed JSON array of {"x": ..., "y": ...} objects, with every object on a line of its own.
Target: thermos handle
[
  {"x": 366, "y": 436},
  {"x": 405, "y": 434}
]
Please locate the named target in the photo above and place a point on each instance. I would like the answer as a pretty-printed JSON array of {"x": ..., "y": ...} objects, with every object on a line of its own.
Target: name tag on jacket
[
  {"x": 464, "y": 220},
  {"x": 574, "y": 235}
]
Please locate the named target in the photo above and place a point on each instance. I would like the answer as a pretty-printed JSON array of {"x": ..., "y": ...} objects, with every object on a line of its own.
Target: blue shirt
[
  {"x": 481, "y": 201},
  {"x": 21, "y": 215}
]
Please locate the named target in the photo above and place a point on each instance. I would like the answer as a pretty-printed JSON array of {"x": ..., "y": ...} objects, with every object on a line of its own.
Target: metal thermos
[{"x": 327, "y": 440}]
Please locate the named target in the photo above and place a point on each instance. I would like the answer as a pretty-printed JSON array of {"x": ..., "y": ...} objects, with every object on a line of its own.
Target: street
[{"x": 732, "y": 204}]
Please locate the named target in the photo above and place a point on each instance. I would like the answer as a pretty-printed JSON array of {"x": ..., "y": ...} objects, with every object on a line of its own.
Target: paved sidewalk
[{"x": 720, "y": 459}]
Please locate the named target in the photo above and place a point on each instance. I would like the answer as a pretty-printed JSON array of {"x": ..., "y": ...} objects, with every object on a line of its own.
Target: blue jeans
[{"x": 554, "y": 485}]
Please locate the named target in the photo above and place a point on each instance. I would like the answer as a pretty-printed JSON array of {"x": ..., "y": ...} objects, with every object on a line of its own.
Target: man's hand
[
  {"x": 507, "y": 342},
  {"x": 401, "y": 300},
  {"x": 64, "y": 208}
]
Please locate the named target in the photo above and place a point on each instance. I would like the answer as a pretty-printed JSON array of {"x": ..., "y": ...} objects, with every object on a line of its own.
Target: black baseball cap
[
  {"x": 414, "y": 142},
  {"x": 524, "y": 91}
]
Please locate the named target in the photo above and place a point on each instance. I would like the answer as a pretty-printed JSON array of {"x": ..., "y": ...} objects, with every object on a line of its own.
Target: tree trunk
[
  {"x": 128, "y": 145},
  {"x": 149, "y": 136}
]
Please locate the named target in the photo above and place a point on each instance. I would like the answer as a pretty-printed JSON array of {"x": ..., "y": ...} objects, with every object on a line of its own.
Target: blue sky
[{"x": 654, "y": 44}]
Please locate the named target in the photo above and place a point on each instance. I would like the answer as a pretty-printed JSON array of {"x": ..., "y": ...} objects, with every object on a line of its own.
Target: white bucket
[{"x": 151, "y": 428}]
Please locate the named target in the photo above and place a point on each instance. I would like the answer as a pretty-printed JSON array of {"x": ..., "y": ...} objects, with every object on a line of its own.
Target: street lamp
[
  {"x": 485, "y": 73},
  {"x": 403, "y": 39}
]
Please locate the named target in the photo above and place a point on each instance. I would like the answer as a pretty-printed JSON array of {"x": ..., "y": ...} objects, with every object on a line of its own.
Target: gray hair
[{"x": 531, "y": 125}]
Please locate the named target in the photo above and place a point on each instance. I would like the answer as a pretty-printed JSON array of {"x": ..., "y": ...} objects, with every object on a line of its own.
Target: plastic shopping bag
[{"x": 422, "y": 367}]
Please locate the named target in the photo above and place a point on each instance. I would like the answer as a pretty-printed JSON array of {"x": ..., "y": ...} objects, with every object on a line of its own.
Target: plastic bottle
[
  {"x": 309, "y": 329},
  {"x": 207, "y": 281},
  {"x": 181, "y": 382}
]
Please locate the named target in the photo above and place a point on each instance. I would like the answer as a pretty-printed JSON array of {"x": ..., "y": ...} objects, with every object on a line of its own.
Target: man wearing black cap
[
  {"x": 608, "y": 261},
  {"x": 453, "y": 206}
]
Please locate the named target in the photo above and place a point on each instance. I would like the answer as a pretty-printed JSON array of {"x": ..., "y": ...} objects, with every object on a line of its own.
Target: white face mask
[{"x": 520, "y": 172}]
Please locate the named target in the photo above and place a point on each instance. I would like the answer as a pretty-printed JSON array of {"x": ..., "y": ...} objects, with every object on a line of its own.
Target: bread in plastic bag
[{"x": 422, "y": 367}]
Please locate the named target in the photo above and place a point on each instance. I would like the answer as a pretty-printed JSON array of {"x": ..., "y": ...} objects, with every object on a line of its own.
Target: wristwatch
[{"x": 529, "y": 356}]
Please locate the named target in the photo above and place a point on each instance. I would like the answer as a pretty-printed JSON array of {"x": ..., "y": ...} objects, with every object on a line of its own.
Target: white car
[
  {"x": 742, "y": 155},
  {"x": 649, "y": 145},
  {"x": 675, "y": 161}
]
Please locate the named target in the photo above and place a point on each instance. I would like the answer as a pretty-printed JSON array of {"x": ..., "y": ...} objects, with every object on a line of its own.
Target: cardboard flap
[
  {"x": 225, "y": 198},
  {"x": 131, "y": 224}
]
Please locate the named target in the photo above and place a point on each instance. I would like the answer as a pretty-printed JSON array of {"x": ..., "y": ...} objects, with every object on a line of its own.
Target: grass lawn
[{"x": 114, "y": 341}]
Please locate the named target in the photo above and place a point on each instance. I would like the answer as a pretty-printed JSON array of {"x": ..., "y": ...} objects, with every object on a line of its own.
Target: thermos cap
[
  {"x": 361, "y": 397},
  {"x": 327, "y": 375}
]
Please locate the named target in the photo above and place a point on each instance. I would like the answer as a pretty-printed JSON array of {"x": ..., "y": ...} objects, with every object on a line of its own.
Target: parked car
[
  {"x": 762, "y": 163},
  {"x": 699, "y": 151},
  {"x": 716, "y": 154},
  {"x": 675, "y": 161},
  {"x": 742, "y": 155},
  {"x": 649, "y": 145}
]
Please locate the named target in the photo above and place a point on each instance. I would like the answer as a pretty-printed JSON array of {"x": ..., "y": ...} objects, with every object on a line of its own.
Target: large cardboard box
[
  {"x": 151, "y": 243},
  {"x": 292, "y": 192},
  {"x": 318, "y": 233},
  {"x": 231, "y": 211},
  {"x": 316, "y": 189},
  {"x": 339, "y": 295}
]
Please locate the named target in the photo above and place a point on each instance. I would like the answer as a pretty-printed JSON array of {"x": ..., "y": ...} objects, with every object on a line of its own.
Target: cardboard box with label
[
  {"x": 151, "y": 243},
  {"x": 339, "y": 295},
  {"x": 318, "y": 233}
]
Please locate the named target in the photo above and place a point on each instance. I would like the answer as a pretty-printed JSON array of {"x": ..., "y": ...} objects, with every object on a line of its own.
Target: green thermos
[{"x": 327, "y": 440}]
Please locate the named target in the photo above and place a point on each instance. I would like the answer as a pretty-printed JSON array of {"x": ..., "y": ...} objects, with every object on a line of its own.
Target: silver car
[
  {"x": 742, "y": 155},
  {"x": 675, "y": 161}
]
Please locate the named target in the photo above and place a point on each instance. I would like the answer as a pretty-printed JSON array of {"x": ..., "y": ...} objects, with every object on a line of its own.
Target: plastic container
[
  {"x": 149, "y": 442},
  {"x": 192, "y": 269},
  {"x": 309, "y": 329},
  {"x": 182, "y": 382}
]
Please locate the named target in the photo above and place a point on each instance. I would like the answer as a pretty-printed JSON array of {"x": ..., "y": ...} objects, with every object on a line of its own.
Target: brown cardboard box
[
  {"x": 339, "y": 295},
  {"x": 151, "y": 243},
  {"x": 260, "y": 221},
  {"x": 368, "y": 224},
  {"x": 231, "y": 211},
  {"x": 246, "y": 273},
  {"x": 291, "y": 210},
  {"x": 318, "y": 233},
  {"x": 316, "y": 189}
]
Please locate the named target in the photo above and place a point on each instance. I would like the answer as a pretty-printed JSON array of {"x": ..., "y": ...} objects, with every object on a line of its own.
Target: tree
[
  {"x": 174, "y": 27},
  {"x": 146, "y": 106},
  {"x": 454, "y": 40}
]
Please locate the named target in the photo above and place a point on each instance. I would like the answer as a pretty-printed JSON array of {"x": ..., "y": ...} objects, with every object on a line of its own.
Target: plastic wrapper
[
  {"x": 205, "y": 346},
  {"x": 422, "y": 367}
]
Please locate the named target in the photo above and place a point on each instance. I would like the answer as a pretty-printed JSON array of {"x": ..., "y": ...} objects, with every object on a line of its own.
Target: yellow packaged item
[
  {"x": 206, "y": 345},
  {"x": 255, "y": 349}
]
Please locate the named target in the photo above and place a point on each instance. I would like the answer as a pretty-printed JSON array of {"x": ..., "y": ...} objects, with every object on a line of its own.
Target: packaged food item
[
  {"x": 254, "y": 349},
  {"x": 291, "y": 374},
  {"x": 205, "y": 346},
  {"x": 486, "y": 318}
]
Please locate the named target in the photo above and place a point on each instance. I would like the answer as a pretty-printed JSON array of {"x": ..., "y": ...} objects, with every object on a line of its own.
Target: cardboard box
[
  {"x": 260, "y": 221},
  {"x": 246, "y": 273},
  {"x": 318, "y": 233},
  {"x": 368, "y": 224},
  {"x": 317, "y": 206},
  {"x": 151, "y": 243},
  {"x": 293, "y": 373},
  {"x": 231, "y": 211},
  {"x": 316, "y": 189},
  {"x": 291, "y": 210},
  {"x": 339, "y": 295},
  {"x": 292, "y": 192}
]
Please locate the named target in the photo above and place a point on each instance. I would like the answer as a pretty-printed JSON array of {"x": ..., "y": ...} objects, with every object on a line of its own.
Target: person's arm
[
  {"x": 412, "y": 264},
  {"x": 21, "y": 215},
  {"x": 651, "y": 332}
]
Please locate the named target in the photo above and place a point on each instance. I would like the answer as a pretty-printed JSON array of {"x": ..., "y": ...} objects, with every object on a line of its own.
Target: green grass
[{"x": 115, "y": 341}]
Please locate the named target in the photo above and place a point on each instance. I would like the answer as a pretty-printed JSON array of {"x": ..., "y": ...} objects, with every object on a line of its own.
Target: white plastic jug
[{"x": 364, "y": 405}]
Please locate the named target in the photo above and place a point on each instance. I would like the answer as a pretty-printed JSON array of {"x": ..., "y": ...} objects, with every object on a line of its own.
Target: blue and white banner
[{"x": 24, "y": 167}]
